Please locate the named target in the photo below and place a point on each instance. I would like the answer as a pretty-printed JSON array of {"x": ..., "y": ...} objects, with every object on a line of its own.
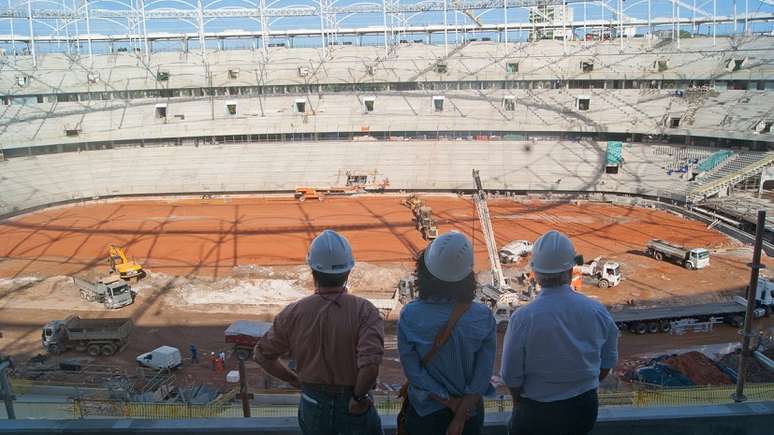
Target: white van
[{"x": 164, "y": 357}]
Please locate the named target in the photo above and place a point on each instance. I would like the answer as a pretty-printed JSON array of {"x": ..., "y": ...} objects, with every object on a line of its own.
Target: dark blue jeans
[
  {"x": 437, "y": 422},
  {"x": 322, "y": 413},
  {"x": 573, "y": 416}
]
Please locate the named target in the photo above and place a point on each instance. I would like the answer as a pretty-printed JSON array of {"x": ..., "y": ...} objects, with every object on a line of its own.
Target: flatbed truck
[{"x": 661, "y": 319}]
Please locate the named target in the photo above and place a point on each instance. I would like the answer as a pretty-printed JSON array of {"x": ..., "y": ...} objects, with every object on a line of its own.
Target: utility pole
[
  {"x": 752, "y": 289},
  {"x": 243, "y": 394},
  {"x": 5, "y": 388}
]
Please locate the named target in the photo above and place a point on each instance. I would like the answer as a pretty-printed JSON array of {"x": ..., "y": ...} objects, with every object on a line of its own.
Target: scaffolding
[{"x": 82, "y": 27}]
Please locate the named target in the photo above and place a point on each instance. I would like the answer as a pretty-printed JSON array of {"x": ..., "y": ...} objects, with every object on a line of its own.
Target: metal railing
[{"x": 640, "y": 396}]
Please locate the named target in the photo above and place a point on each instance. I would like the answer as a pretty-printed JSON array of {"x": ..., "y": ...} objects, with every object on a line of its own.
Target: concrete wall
[
  {"x": 756, "y": 418},
  {"x": 557, "y": 166}
]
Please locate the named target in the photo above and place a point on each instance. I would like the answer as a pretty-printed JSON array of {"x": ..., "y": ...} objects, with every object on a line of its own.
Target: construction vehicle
[
  {"x": 425, "y": 223},
  {"x": 411, "y": 201},
  {"x": 95, "y": 336},
  {"x": 664, "y": 319},
  {"x": 602, "y": 274},
  {"x": 355, "y": 184},
  {"x": 406, "y": 290},
  {"x": 514, "y": 250},
  {"x": 499, "y": 294},
  {"x": 423, "y": 217},
  {"x": 161, "y": 358},
  {"x": 111, "y": 291},
  {"x": 304, "y": 193},
  {"x": 120, "y": 264},
  {"x": 244, "y": 335},
  {"x": 692, "y": 259}
]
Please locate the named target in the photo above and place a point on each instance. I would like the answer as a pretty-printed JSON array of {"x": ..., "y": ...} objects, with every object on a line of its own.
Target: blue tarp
[
  {"x": 661, "y": 374},
  {"x": 614, "y": 153}
]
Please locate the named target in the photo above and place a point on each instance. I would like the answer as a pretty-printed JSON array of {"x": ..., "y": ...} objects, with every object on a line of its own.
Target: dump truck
[
  {"x": 95, "y": 336},
  {"x": 120, "y": 264},
  {"x": 514, "y": 250},
  {"x": 696, "y": 258},
  {"x": 244, "y": 335},
  {"x": 663, "y": 319},
  {"x": 112, "y": 291}
]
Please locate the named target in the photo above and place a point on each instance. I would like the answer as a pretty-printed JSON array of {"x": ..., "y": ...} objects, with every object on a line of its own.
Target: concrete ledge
[{"x": 755, "y": 418}]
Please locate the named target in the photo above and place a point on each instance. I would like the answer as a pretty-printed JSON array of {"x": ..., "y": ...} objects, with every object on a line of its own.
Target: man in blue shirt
[{"x": 557, "y": 349}]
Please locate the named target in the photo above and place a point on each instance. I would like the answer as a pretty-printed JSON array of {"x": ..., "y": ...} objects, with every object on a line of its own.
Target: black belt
[{"x": 329, "y": 389}]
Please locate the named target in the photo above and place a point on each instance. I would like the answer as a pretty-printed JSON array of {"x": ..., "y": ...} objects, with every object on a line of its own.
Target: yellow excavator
[{"x": 120, "y": 264}]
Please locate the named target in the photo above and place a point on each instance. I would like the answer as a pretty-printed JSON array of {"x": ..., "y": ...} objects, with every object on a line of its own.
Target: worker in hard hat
[
  {"x": 557, "y": 349},
  {"x": 446, "y": 381},
  {"x": 336, "y": 340}
]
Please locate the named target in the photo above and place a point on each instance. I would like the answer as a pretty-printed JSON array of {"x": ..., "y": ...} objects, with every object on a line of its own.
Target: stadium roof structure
[{"x": 93, "y": 26}]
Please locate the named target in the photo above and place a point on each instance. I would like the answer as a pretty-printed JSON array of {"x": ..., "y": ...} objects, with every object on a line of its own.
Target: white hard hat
[
  {"x": 330, "y": 253},
  {"x": 552, "y": 253},
  {"x": 450, "y": 257}
]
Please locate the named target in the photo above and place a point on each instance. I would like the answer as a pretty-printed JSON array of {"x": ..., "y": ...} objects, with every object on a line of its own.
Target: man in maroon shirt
[{"x": 337, "y": 342}]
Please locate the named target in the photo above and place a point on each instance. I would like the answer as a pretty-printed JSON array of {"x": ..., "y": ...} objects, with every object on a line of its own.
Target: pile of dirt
[
  {"x": 376, "y": 278},
  {"x": 756, "y": 372},
  {"x": 698, "y": 368}
]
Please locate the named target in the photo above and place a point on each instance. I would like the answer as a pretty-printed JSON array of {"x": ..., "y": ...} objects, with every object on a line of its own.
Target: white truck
[
  {"x": 511, "y": 252},
  {"x": 692, "y": 259},
  {"x": 164, "y": 357},
  {"x": 112, "y": 291},
  {"x": 600, "y": 273}
]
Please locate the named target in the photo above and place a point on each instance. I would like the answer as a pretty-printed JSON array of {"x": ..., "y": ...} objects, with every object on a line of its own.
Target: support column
[
  {"x": 505, "y": 22},
  {"x": 384, "y": 25},
  {"x": 746, "y": 15},
  {"x": 445, "y": 32},
  {"x": 200, "y": 28},
  {"x": 32, "y": 34},
  {"x": 13, "y": 36},
  {"x": 714, "y": 22},
  {"x": 322, "y": 27},
  {"x": 650, "y": 21},
  {"x": 678, "y": 24},
  {"x": 620, "y": 24},
  {"x": 264, "y": 27},
  {"x": 564, "y": 26},
  {"x": 88, "y": 29},
  {"x": 145, "y": 32}
]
